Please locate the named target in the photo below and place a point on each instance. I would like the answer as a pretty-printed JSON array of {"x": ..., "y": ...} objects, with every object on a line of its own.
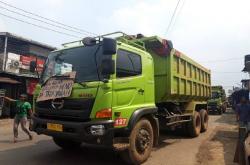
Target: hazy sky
[{"x": 209, "y": 31}]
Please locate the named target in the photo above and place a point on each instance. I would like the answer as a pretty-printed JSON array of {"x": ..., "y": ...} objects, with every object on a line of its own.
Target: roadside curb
[{"x": 5, "y": 121}]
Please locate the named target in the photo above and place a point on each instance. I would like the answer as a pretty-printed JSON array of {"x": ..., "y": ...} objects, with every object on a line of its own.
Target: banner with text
[{"x": 56, "y": 88}]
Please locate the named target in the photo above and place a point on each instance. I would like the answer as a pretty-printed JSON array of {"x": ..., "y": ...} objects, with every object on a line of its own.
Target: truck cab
[
  {"x": 217, "y": 103},
  {"x": 123, "y": 90}
]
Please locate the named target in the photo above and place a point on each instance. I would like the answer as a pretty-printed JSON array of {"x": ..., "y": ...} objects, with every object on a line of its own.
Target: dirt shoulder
[
  {"x": 219, "y": 148},
  {"x": 4, "y": 122}
]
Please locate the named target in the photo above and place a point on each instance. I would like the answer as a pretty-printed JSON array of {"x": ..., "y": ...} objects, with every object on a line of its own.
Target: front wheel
[
  {"x": 140, "y": 143},
  {"x": 66, "y": 144}
]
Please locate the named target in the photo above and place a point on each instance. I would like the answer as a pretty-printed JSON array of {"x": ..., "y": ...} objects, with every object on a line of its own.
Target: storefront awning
[{"x": 9, "y": 80}]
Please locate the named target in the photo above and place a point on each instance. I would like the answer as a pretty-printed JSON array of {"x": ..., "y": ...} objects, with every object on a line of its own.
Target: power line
[
  {"x": 172, "y": 18},
  {"x": 178, "y": 13},
  {"x": 41, "y": 27},
  {"x": 41, "y": 21},
  {"x": 51, "y": 20}
]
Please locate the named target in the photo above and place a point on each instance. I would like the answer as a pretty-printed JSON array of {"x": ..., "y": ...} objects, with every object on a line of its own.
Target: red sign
[
  {"x": 31, "y": 85},
  {"x": 40, "y": 64},
  {"x": 120, "y": 122},
  {"x": 25, "y": 60}
]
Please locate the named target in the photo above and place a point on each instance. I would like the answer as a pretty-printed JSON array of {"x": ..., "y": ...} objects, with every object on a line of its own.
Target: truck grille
[
  {"x": 72, "y": 110},
  {"x": 74, "y": 104}
]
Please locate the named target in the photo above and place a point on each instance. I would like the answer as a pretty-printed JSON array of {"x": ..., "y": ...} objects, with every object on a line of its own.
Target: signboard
[
  {"x": 12, "y": 63},
  {"x": 31, "y": 85},
  {"x": 25, "y": 61},
  {"x": 57, "y": 87},
  {"x": 19, "y": 63}
]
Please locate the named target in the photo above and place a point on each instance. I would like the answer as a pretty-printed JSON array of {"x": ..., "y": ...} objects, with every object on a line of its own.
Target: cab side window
[{"x": 128, "y": 64}]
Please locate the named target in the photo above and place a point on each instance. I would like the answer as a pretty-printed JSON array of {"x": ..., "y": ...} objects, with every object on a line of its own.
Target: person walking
[
  {"x": 243, "y": 112},
  {"x": 23, "y": 109},
  {"x": 243, "y": 117}
]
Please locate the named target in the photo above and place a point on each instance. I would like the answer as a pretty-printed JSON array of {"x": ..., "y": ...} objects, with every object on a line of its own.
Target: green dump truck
[
  {"x": 217, "y": 103},
  {"x": 126, "y": 88}
]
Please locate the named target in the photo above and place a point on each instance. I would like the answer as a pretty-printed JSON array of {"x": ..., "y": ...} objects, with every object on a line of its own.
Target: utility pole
[{"x": 5, "y": 55}]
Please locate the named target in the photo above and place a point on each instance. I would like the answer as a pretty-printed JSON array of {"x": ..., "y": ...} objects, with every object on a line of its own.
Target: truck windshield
[
  {"x": 79, "y": 59},
  {"x": 215, "y": 95}
]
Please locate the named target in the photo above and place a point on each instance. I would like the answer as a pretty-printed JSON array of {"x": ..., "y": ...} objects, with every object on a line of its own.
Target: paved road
[{"x": 177, "y": 150}]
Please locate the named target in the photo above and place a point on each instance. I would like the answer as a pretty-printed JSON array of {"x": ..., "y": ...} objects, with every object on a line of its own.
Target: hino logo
[{"x": 57, "y": 104}]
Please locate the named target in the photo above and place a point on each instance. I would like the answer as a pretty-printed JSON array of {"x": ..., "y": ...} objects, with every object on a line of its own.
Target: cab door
[{"x": 128, "y": 86}]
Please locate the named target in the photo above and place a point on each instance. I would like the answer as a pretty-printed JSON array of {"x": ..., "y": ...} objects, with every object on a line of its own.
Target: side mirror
[
  {"x": 108, "y": 67},
  {"x": 108, "y": 46},
  {"x": 32, "y": 66}
]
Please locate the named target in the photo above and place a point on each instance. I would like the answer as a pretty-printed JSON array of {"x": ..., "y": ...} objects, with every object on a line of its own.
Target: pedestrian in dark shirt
[
  {"x": 243, "y": 112},
  {"x": 23, "y": 109}
]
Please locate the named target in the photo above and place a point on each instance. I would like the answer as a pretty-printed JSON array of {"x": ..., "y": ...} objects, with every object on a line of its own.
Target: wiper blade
[{"x": 83, "y": 84}]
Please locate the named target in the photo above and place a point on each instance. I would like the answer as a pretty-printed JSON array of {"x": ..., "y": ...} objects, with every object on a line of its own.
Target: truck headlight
[{"x": 97, "y": 130}]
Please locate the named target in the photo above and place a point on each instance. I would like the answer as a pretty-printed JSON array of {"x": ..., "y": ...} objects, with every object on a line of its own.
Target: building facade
[{"x": 16, "y": 53}]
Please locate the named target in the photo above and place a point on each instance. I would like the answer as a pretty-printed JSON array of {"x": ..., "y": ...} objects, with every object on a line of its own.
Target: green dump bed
[{"x": 177, "y": 77}]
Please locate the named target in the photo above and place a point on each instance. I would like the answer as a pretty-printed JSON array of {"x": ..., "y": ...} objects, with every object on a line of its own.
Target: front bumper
[{"x": 79, "y": 131}]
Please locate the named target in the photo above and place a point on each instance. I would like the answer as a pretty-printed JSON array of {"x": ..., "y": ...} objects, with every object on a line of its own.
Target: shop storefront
[{"x": 16, "y": 53}]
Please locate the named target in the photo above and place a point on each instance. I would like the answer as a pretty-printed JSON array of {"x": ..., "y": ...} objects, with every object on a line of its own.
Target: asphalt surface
[{"x": 173, "y": 149}]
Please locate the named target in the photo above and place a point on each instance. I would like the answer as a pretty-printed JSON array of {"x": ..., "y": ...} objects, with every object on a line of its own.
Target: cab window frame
[{"x": 133, "y": 63}]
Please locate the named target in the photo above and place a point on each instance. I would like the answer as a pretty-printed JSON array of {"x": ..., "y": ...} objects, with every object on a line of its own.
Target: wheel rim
[{"x": 142, "y": 140}]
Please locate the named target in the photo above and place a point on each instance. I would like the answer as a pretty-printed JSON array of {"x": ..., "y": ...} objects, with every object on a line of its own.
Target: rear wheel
[
  {"x": 194, "y": 126},
  {"x": 66, "y": 143},
  {"x": 140, "y": 143},
  {"x": 204, "y": 120}
]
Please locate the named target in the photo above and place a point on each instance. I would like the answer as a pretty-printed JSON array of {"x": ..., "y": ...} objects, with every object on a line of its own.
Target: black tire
[
  {"x": 194, "y": 126},
  {"x": 204, "y": 120},
  {"x": 140, "y": 143},
  {"x": 66, "y": 144}
]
